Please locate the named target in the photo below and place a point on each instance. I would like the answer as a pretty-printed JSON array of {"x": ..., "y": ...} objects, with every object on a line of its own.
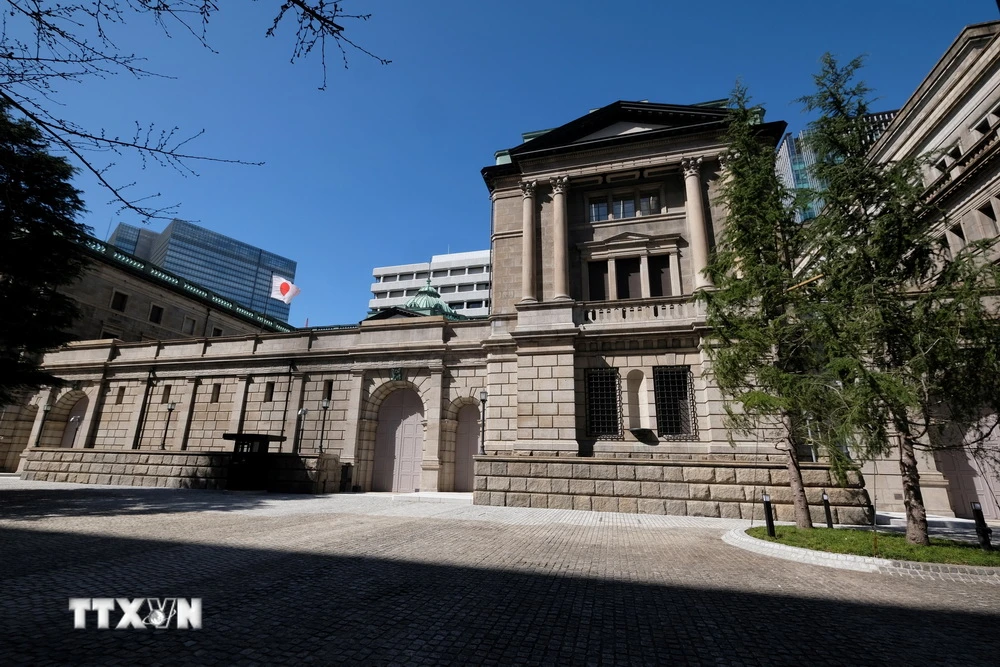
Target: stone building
[
  {"x": 954, "y": 116},
  {"x": 122, "y": 297},
  {"x": 591, "y": 361}
]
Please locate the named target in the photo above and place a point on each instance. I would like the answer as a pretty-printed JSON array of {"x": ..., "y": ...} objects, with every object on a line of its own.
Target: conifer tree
[
  {"x": 906, "y": 327},
  {"x": 39, "y": 252},
  {"x": 758, "y": 343}
]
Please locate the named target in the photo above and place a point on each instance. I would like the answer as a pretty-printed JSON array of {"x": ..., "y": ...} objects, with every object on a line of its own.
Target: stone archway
[
  {"x": 399, "y": 439},
  {"x": 73, "y": 422},
  {"x": 466, "y": 446},
  {"x": 57, "y": 422}
]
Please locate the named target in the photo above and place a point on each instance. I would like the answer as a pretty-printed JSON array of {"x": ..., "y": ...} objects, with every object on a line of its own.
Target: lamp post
[
  {"x": 483, "y": 395},
  {"x": 170, "y": 410},
  {"x": 325, "y": 404},
  {"x": 302, "y": 422},
  {"x": 41, "y": 427}
]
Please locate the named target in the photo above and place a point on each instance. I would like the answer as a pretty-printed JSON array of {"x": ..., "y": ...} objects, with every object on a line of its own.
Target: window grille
[
  {"x": 673, "y": 392},
  {"x": 604, "y": 403}
]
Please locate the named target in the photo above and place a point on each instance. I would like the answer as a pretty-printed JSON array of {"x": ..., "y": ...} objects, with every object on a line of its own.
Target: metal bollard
[
  {"x": 982, "y": 530},
  {"x": 826, "y": 508},
  {"x": 768, "y": 518}
]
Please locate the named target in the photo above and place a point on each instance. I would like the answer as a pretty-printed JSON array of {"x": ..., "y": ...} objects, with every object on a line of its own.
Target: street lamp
[
  {"x": 41, "y": 427},
  {"x": 483, "y": 395},
  {"x": 170, "y": 410},
  {"x": 325, "y": 404},
  {"x": 302, "y": 422}
]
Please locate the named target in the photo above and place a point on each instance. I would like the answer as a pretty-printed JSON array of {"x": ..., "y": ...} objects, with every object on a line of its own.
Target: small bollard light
[
  {"x": 982, "y": 530},
  {"x": 826, "y": 508},
  {"x": 768, "y": 518}
]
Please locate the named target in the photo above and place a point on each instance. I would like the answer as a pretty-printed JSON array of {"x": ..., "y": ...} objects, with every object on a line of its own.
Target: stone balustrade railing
[{"x": 634, "y": 312}]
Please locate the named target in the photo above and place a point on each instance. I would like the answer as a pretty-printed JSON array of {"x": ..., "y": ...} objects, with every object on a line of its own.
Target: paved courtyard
[{"x": 368, "y": 579}]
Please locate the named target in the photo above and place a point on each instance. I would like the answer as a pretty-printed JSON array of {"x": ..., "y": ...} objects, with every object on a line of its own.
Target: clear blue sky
[{"x": 383, "y": 166}]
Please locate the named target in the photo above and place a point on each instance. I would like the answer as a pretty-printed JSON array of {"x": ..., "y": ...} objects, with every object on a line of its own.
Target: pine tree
[
  {"x": 758, "y": 345},
  {"x": 907, "y": 329},
  {"x": 39, "y": 252}
]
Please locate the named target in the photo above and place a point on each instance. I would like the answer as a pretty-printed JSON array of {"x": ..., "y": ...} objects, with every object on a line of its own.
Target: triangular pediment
[
  {"x": 621, "y": 129},
  {"x": 624, "y": 121}
]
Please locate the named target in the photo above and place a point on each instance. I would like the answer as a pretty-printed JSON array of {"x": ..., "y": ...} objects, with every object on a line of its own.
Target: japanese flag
[{"x": 283, "y": 289}]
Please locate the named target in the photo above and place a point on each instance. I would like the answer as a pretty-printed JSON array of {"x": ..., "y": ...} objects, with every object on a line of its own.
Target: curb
[{"x": 899, "y": 568}]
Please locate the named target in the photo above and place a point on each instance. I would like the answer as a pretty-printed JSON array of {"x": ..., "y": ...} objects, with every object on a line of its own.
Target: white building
[{"x": 462, "y": 279}]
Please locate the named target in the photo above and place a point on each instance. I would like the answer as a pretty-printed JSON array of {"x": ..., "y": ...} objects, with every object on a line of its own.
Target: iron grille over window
[
  {"x": 674, "y": 395},
  {"x": 604, "y": 403}
]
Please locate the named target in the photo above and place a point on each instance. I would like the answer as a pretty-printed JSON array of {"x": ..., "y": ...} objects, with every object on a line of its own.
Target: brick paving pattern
[{"x": 369, "y": 580}]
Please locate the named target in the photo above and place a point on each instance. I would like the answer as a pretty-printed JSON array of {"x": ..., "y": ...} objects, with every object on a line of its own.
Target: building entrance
[
  {"x": 466, "y": 445},
  {"x": 399, "y": 443}
]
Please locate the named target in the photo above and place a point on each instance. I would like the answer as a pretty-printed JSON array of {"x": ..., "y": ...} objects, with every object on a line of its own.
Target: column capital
[
  {"x": 691, "y": 166},
  {"x": 560, "y": 184},
  {"x": 528, "y": 188},
  {"x": 725, "y": 160}
]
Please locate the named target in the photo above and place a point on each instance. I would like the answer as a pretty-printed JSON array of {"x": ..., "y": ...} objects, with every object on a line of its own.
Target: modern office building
[
  {"x": 795, "y": 159},
  {"x": 461, "y": 278},
  {"x": 231, "y": 268}
]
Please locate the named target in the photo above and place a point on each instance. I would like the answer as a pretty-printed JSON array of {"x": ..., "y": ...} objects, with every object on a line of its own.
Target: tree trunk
[
  {"x": 913, "y": 500},
  {"x": 802, "y": 517}
]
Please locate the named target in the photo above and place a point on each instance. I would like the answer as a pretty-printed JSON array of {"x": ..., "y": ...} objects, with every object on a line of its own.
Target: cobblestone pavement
[{"x": 366, "y": 579}]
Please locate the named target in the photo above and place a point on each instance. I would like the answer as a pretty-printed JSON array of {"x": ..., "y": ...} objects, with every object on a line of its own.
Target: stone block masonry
[
  {"x": 287, "y": 473},
  {"x": 725, "y": 489}
]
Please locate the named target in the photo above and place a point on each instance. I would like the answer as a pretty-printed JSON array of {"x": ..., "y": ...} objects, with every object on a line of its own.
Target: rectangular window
[
  {"x": 406, "y": 276},
  {"x": 598, "y": 210},
  {"x": 447, "y": 289},
  {"x": 603, "y": 403},
  {"x": 597, "y": 275},
  {"x": 674, "y": 397},
  {"x": 474, "y": 304},
  {"x": 628, "y": 278},
  {"x": 189, "y": 324},
  {"x": 155, "y": 314},
  {"x": 659, "y": 275},
  {"x": 649, "y": 203},
  {"x": 466, "y": 288},
  {"x": 216, "y": 332},
  {"x": 421, "y": 275},
  {"x": 328, "y": 389},
  {"x": 120, "y": 398},
  {"x": 411, "y": 292},
  {"x": 216, "y": 390},
  {"x": 388, "y": 279},
  {"x": 119, "y": 301},
  {"x": 482, "y": 286},
  {"x": 165, "y": 398},
  {"x": 456, "y": 272},
  {"x": 268, "y": 392},
  {"x": 477, "y": 269},
  {"x": 623, "y": 206},
  {"x": 440, "y": 273}
]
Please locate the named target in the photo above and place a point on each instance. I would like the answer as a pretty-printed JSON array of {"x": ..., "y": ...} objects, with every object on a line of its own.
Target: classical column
[
  {"x": 675, "y": 273},
  {"x": 239, "y": 404},
  {"x": 48, "y": 397},
  {"x": 644, "y": 276},
  {"x": 560, "y": 282},
  {"x": 352, "y": 423},
  {"x": 294, "y": 424},
  {"x": 185, "y": 411},
  {"x": 431, "y": 460},
  {"x": 528, "y": 294},
  {"x": 696, "y": 221},
  {"x": 612, "y": 280},
  {"x": 85, "y": 433}
]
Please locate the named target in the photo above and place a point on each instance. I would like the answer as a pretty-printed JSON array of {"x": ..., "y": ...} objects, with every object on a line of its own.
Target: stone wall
[
  {"x": 288, "y": 473},
  {"x": 727, "y": 489}
]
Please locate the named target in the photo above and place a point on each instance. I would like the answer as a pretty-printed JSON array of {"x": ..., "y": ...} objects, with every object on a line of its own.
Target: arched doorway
[
  {"x": 399, "y": 443},
  {"x": 466, "y": 445},
  {"x": 73, "y": 422}
]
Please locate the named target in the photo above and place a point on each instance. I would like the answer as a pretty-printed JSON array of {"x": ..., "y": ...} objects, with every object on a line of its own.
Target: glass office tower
[{"x": 236, "y": 270}]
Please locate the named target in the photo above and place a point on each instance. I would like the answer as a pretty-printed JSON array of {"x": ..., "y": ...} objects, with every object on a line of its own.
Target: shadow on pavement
[
  {"x": 270, "y": 606},
  {"x": 29, "y": 504}
]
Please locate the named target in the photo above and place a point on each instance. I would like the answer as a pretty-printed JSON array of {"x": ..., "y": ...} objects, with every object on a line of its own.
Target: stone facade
[
  {"x": 953, "y": 117},
  {"x": 716, "y": 488},
  {"x": 598, "y": 392},
  {"x": 289, "y": 473}
]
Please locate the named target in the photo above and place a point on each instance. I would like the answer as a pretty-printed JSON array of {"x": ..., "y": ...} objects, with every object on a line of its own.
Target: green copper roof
[{"x": 427, "y": 301}]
